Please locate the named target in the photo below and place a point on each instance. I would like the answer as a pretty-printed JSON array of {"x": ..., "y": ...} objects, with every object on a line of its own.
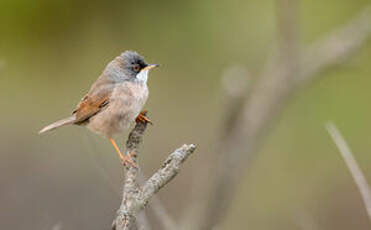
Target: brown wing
[{"x": 90, "y": 105}]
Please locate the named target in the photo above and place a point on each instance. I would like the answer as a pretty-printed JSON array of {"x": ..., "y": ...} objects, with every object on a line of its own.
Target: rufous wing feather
[{"x": 91, "y": 105}]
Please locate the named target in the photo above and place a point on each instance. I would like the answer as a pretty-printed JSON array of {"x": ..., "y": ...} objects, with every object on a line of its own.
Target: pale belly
[{"x": 127, "y": 100}]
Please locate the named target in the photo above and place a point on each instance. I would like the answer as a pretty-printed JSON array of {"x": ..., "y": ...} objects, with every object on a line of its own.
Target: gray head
[
  {"x": 129, "y": 66},
  {"x": 134, "y": 66}
]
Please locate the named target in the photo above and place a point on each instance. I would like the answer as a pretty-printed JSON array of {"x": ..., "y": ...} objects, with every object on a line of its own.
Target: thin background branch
[{"x": 352, "y": 165}]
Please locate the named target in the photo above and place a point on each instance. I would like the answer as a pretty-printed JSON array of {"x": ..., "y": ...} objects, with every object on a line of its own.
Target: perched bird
[{"x": 114, "y": 100}]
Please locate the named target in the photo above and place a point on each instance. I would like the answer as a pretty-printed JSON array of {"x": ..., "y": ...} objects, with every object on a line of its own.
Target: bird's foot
[
  {"x": 129, "y": 160},
  {"x": 124, "y": 159},
  {"x": 142, "y": 118}
]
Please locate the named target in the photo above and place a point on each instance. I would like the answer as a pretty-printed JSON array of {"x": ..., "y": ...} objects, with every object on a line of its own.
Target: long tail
[{"x": 63, "y": 122}]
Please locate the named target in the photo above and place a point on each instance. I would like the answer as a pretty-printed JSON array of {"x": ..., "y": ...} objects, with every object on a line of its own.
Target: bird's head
[{"x": 135, "y": 67}]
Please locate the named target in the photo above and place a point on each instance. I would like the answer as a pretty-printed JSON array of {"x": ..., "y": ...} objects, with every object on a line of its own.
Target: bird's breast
[
  {"x": 128, "y": 100},
  {"x": 131, "y": 95}
]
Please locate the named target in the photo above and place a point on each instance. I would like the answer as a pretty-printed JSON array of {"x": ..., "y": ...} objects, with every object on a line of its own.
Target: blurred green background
[{"x": 51, "y": 52}]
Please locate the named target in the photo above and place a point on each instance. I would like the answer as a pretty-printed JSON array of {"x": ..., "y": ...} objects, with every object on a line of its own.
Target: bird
[{"x": 114, "y": 101}]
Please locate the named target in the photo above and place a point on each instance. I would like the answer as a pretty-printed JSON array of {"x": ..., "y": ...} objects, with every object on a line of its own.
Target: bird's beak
[{"x": 150, "y": 66}]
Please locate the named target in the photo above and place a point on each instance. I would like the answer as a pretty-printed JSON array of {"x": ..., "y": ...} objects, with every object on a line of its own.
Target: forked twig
[{"x": 135, "y": 197}]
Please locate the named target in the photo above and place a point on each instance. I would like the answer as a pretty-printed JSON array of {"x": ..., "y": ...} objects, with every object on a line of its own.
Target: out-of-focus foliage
[{"x": 51, "y": 51}]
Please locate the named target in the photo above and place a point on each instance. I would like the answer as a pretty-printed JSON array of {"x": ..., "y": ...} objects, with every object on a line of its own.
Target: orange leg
[
  {"x": 142, "y": 117},
  {"x": 124, "y": 158}
]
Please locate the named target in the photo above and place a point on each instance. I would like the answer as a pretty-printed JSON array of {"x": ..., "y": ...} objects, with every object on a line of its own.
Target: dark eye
[{"x": 136, "y": 67}]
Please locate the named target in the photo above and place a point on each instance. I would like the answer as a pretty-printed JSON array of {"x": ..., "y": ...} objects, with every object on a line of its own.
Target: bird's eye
[{"x": 136, "y": 67}]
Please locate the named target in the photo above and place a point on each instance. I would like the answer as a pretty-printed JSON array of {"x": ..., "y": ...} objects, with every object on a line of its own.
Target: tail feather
[{"x": 66, "y": 121}]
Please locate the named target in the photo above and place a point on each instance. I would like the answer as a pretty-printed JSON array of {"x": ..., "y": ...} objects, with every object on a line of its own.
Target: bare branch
[
  {"x": 135, "y": 198},
  {"x": 352, "y": 164},
  {"x": 168, "y": 171}
]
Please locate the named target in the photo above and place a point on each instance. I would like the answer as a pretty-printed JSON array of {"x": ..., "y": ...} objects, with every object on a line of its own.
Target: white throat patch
[{"x": 142, "y": 76}]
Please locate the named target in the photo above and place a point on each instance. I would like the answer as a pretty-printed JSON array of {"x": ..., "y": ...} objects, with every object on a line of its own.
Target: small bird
[{"x": 114, "y": 100}]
